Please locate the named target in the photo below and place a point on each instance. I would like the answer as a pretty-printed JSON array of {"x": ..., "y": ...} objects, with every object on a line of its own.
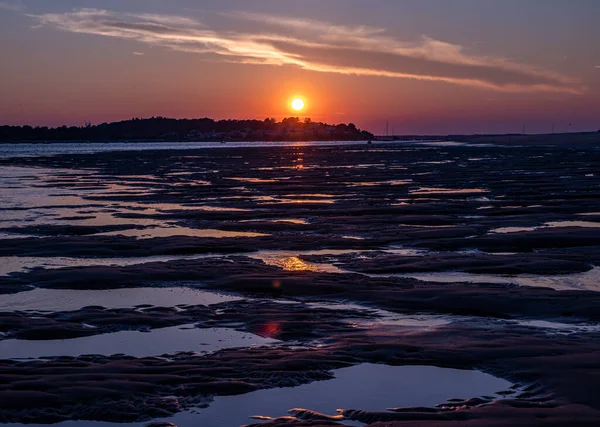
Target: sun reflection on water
[{"x": 296, "y": 264}]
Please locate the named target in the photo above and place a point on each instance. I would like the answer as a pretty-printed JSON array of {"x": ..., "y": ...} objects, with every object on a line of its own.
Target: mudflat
[{"x": 303, "y": 260}]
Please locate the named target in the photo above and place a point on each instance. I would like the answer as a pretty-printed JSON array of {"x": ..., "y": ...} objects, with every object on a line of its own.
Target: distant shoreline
[
  {"x": 290, "y": 129},
  {"x": 574, "y": 138},
  {"x": 177, "y": 141},
  {"x": 162, "y": 129}
]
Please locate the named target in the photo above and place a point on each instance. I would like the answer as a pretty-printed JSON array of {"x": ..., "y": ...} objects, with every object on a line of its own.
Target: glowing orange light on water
[
  {"x": 270, "y": 329},
  {"x": 295, "y": 264}
]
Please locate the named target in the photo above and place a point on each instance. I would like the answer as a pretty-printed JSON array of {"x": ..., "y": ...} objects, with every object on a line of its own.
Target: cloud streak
[
  {"x": 10, "y": 6},
  {"x": 316, "y": 46}
]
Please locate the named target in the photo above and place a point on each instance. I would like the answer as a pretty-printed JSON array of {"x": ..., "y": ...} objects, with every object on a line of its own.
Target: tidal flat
[{"x": 300, "y": 284}]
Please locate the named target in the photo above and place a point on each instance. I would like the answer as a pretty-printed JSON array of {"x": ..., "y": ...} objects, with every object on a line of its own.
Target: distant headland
[
  {"x": 165, "y": 129},
  {"x": 572, "y": 138},
  {"x": 158, "y": 129}
]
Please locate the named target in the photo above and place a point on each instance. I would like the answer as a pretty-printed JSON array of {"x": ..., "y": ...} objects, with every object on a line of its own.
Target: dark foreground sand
[{"x": 361, "y": 203}]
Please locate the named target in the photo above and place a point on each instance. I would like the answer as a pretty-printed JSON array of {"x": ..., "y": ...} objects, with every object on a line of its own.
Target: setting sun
[{"x": 298, "y": 104}]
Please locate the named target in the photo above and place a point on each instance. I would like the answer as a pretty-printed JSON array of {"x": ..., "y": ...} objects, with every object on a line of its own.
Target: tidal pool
[
  {"x": 414, "y": 321},
  {"x": 67, "y": 299},
  {"x": 560, "y": 328},
  {"x": 368, "y": 387},
  {"x": 441, "y": 190},
  {"x": 291, "y": 260},
  {"x": 552, "y": 224},
  {"x": 57, "y": 148},
  {"x": 17, "y": 264},
  {"x": 589, "y": 280},
  {"x": 151, "y": 233},
  {"x": 135, "y": 343}
]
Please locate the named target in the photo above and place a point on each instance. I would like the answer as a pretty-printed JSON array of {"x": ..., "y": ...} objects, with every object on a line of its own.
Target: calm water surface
[{"x": 367, "y": 387}]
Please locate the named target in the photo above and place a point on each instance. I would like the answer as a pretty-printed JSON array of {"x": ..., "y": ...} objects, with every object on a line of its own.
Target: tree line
[{"x": 205, "y": 129}]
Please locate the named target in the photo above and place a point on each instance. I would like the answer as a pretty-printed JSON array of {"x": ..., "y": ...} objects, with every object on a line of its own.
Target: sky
[{"x": 422, "y": 66}]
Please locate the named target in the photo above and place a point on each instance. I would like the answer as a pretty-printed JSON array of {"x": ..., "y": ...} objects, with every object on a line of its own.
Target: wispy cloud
[
  {"x": 317, "y": 46},
  {"x": 138, "y": 53},
  {"x": 11, "y": 6}
]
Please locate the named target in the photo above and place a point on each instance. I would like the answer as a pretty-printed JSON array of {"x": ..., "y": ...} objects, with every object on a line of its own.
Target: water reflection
[
  {"x": 367, "y": 387},
  {"x": 15, "y": 264},
  {"x": 271, "y": 329},
  {"x": 284, "y": 200},
  {"x": 293, "y": 221},
  {"x": 295, "y": 264},
  {"x": 291, "y": 262},
  {"x": 254, "y": 180},
  {"x": 138, "y": 344},
  {"x": 589, "y": 280},
  {"x": 441, "y": 190},
  {"x": 71, "y": 299},
  {"x": 552, "y": 224},
  {"x": 156, "y": 232},
  {"x": 377, "y": 183}
]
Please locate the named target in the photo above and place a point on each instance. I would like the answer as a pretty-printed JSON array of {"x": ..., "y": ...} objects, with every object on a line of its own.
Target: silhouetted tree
[{"x": 205, "y": 129}]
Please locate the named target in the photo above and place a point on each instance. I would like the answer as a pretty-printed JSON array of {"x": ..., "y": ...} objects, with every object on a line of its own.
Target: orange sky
[{"x": 117, "y": 61}]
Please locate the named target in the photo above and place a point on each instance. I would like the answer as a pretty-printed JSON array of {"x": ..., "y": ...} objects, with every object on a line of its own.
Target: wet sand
[{"x": 454, "y": 256}]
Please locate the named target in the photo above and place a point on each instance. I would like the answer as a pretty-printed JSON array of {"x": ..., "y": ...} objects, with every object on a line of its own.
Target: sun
[{"x": 297, "y": 104}]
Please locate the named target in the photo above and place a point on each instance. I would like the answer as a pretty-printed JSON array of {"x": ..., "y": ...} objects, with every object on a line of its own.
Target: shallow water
[
  {"x": 381, "y": 387},
  {"x": 292, "y": 221},
  {"x": 291, "y": 261},
  {"x": 589, "y": 280},
  {"x": 32, "y": 150},
  {"x": 157, "y": 232},
  {"x": 585, "y": 224},
  {"x": 4, "y": 235},
  {"x": 288, "y": 260},
  {"x": 378, "y": 183},
  {"x": 405, "y": 321},
  {"x": 134, "y": 343},
  {"x": 560, "y": 328},
  {"x": 68, "y": 299},
  {"x": 18, "y": 264},
  {"x": 32, "y": 196},
  {"x": 552, "y": 224},
  {"x": 76, "y": 217},
  {"x": 504, "y": 230},
  {"x": 358, "y": 201},
  {"x": 363, "y": 387},
  {"x": 441, "y": 190}
]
